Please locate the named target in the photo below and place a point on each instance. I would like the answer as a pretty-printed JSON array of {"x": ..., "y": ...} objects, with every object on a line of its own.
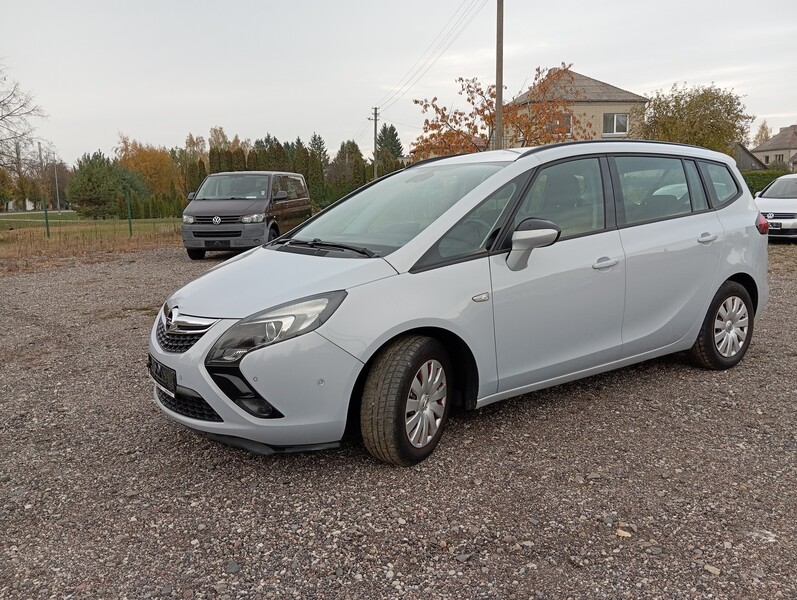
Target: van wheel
[
  {"x": 727, "y": 329},
  {"x": 195, "y": 254},
  {"x": 406, "y": 400},
  {"x": 272, "y": 234}
]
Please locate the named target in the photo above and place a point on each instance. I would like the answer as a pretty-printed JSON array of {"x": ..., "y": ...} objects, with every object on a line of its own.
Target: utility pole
[
  {"x": 44, "y": 198},
  {"x": 376, "y": 117},
  {"x": 498, "y": 132},
  {"x": 57, "y": 195}
]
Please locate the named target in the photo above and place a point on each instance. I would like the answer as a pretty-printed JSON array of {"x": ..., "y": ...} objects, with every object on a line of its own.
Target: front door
[{"x": 563, "y": 313}]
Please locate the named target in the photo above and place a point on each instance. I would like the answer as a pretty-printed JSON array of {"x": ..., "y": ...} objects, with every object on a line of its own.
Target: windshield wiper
[{"x": 319, "y": 243}]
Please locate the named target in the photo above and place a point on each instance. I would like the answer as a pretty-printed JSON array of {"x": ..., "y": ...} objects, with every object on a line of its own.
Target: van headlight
[
  {"x": 258, "y": 218},
  {"x": 188, "y": 219},
  {"x": 272, "y": 326}
]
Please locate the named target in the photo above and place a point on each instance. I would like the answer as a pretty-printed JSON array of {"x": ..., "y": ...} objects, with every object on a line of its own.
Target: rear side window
[
  {"x": 720, "y": 180},
  {"x": 652, "y": 188}
]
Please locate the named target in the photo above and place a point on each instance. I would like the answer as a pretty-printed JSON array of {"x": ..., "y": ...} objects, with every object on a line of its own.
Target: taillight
[{"x": 762, "y": 224}]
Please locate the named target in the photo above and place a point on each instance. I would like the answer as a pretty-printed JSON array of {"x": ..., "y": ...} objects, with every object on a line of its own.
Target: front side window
[
  {"x": 570, "y": 194},
  {"x": 233, "y": 187},
  {"x": 386, "y": 215},
  {"x": 652, "y": 188},
  {"x": 614, "y": 123},
  {"x": 721, "y": 181}
]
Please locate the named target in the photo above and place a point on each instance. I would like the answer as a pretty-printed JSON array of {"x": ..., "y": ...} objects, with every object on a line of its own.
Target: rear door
[{"x": 672, "y": 242}]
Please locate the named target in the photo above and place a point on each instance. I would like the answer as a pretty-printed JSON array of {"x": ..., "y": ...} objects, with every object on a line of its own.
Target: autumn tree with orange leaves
[
  {"x": 154, "y": 165},
  {"x": 541, "y": 115}
]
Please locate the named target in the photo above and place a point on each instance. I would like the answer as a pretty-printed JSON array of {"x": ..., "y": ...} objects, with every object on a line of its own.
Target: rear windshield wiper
[{"x": 318, "y": 243}]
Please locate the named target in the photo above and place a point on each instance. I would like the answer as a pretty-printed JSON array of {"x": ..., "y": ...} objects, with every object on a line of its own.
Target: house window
[
  {"x": 778, "y": 158},
  {"x": 766, "y": 159},
  {"x": 614, "y": 123},
  {"x": 561, "y": 124}
]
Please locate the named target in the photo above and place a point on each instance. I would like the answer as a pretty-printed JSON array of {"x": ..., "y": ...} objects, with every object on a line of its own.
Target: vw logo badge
[
  {"x": 216, "y": 220},
  {"x": 770, "y": 215},
  {"x": 171, "y": 318}
]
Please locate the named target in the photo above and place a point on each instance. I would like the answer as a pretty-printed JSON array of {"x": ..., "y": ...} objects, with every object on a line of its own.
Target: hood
[
  {"x": 263, "y": 278},
  {"x": 225, "y": 208},
  {"x": 781, "y": 205}
]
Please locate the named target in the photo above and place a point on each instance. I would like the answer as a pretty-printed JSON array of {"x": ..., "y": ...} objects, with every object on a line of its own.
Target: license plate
[
  {"x": 775, "y": 225},
  {"x": 217, "y": 244},
  {"x": 163, "y": 375}
]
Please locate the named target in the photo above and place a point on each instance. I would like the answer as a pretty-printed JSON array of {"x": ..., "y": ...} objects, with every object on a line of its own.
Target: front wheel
[
  {"x": 727, "y": 328},
  {"x": 406, "y": 400}
]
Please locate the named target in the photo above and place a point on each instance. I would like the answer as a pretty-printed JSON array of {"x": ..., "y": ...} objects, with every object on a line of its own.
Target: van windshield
[
  {"x": 385, "y": 216},
  {"x": 233, "y": 186}
]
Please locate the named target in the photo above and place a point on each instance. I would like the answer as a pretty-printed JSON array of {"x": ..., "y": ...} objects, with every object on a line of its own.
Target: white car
[
  {"x": 778, "y": 203},
  {"x": 461, "y": 282}
]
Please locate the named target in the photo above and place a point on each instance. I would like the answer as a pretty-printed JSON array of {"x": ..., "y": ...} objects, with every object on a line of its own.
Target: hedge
[{"x": 758, "y": 180}]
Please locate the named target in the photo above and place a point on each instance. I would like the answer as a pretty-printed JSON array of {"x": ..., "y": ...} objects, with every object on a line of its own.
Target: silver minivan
[{"x": 463, "y": 281}]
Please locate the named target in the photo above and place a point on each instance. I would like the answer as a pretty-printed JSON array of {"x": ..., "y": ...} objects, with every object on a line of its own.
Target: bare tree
[{"x": 17, "y": 109}]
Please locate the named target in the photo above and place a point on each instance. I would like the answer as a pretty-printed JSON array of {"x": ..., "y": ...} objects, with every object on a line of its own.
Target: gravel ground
[{"x": 659, "y": 480}]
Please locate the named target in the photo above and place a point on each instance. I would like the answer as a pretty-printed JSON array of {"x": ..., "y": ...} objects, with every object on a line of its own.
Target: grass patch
[
  {"x": 78, "y": 237},
  {"x": 24, "y": 220}
]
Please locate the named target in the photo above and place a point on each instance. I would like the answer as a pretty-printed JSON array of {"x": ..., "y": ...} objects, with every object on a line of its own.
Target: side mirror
[
  {"x": 281, "y": 195},
  {"x": 530, "y": 234},
  {"x": 191, "y": 196}
]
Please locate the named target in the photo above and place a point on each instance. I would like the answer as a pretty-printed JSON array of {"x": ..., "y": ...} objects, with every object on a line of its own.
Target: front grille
[
  {"x": 777, "y": 232},
  {"x": 209, "y": 220},
  {"x": 780, "y": 215},
  {"x": 176, "y": 343},
  {"x": 221, "y": 233},
  {"x": 193, "y": 407}
]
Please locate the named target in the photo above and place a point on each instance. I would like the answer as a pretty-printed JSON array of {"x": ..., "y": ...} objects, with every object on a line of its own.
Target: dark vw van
[{"x": 243, "y": 209}]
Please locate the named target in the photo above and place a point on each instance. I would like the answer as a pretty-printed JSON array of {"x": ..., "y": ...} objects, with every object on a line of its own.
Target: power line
[
  {"x": 453, "y": 39},
  {"x": 401, "y": 81}
]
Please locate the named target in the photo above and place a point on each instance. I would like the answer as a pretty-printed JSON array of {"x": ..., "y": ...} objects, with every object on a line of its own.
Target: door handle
[
  {"x": 605, "y": 263},
  {"x": 707, "y": 238}
]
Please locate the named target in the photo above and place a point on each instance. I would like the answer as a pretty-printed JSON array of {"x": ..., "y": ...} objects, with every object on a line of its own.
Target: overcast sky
[{"x": 157, "y": 70}]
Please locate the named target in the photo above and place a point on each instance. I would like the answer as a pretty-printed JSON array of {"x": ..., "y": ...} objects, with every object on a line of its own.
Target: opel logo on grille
[
  {"x": 171, "y": 317},
  {"x": 216, "y": 220},
  {"x": 770, "y": 215}
]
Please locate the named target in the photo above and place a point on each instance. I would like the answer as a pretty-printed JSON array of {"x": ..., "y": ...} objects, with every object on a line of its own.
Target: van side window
[
  {"x": 721, "y": 181},
  {"x": 652, "y": 188},
  {"x": 570, "y": 194},
  {"x": 296, "y": 187},
  {"x": 278, "y": 184}
]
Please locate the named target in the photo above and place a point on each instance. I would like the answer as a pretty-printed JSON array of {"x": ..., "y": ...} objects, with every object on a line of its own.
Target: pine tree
[
  {"x": 388, "y": 139},
  {"x": 225, "y": 160},
  {"x": 318, "y": 146},
  {"x": 238, "y": 159},
  {"x": 214, "y": 160}
]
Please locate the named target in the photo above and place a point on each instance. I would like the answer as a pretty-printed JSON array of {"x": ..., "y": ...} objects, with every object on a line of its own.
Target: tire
[
  {"x": 272, "y": 234},
  {"x": 395, "y": 384},
  {"x": 195, "y": 254},
  {"x": 727, "y": 328}
]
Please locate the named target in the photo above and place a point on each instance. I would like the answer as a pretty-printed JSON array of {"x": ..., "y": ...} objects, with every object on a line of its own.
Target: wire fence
[{"x": 65, "y": 234}]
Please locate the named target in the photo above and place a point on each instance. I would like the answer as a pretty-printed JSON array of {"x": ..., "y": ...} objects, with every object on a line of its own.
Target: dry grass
[{"x": 28, "y": 249}]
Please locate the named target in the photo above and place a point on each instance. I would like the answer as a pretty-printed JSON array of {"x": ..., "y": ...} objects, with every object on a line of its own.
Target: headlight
[
  {"x": 272, "y": 326},
  {"x": 188, "y": 219},
  {"x": 258, "y": 218}
]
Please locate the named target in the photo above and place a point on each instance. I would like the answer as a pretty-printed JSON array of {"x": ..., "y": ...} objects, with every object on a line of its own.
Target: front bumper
[
  {"x": 308, "y": 379},
  {"x": 220, "y": 237},
  {"x": 782, "y": 228}
]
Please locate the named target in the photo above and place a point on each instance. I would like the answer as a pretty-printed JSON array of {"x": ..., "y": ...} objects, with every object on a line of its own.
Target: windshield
[
  {"x": 387, "y": 215},
  {"x": 234, "y": 186},
  {"x": 782, "y": 188}
]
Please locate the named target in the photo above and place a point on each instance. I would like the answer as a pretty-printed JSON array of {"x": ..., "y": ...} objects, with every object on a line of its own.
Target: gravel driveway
[{"x": 659, "y": 480}]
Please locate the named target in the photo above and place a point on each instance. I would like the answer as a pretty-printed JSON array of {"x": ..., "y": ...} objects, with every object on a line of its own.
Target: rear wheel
[
  {"x": 195, "y": 254},
  {"x": 406, "y": 400},
  {"x": 727, "y": 328}
]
